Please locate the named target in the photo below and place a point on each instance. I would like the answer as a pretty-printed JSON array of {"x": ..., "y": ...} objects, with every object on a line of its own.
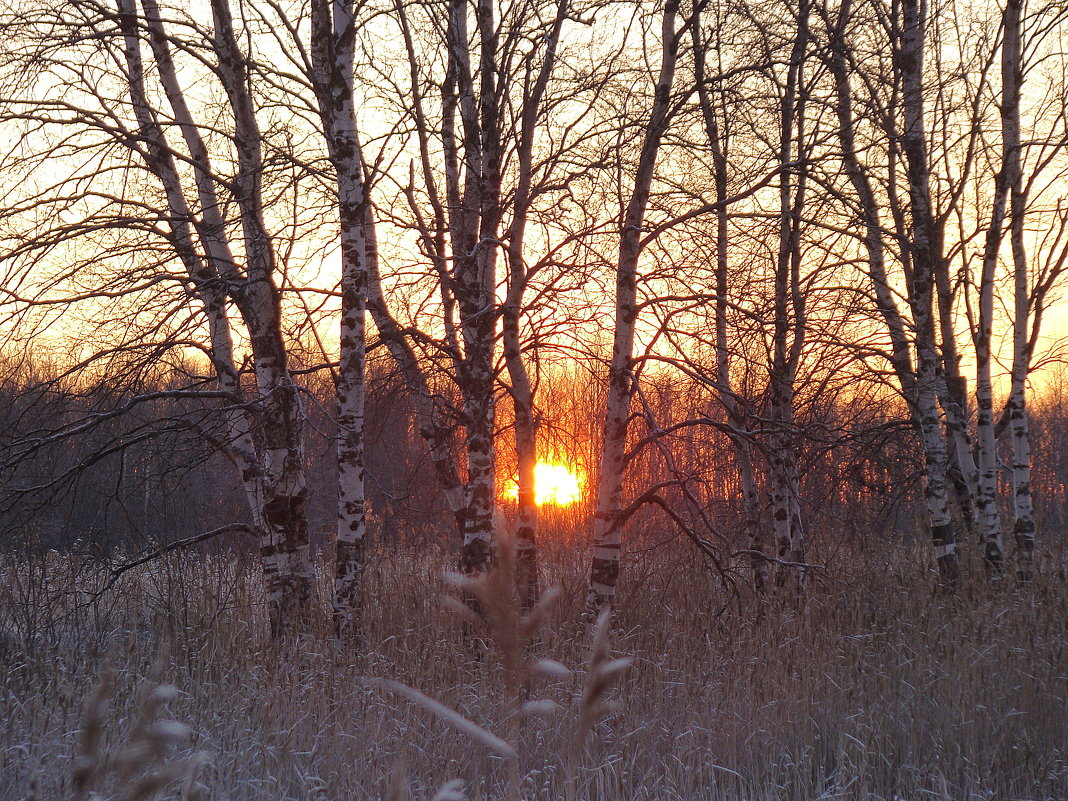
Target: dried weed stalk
[
  {"x": 138, "y": 769},
  {"x": 513, "y": 631}
]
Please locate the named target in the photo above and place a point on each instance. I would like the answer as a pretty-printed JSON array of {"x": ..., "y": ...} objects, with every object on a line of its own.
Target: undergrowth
[{"x": 882, "y": 689}]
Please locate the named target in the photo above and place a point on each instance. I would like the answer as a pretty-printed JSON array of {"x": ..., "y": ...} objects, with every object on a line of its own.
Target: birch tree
[
  {"x": 901, "y": 116},
  {"x": 1027, "y": 35},
  {"x": 333, "y": 43},
  {"x": 716, "y": 116},
  {"x": 789, "y": 324},
  {"x": 1011, "y": 177},
  {"x": 505, "y": 141},
  {"x": 107, "y": 111},
  {"x": 607, "y": 524}
]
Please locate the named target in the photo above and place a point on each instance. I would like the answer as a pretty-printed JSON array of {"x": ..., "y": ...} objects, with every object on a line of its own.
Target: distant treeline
[{"x": 132, "y": 464}]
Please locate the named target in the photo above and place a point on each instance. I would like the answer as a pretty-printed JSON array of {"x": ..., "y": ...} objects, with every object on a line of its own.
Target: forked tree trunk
[
  {"x": 284, "y": 546},
  {"x": 921, "y": 384},
  {"x": 290, "y": 583},
  {"x": 438, "y": 434},
  {"x": 909, "y": 58},
  {"x": 607, "y": 529},
  {"x": 953, "y": 396},
  {"x": 475, "y": 226},
  {"x": 204, "y": 274},
  {"x": 333, "y": 44},
  {"x": 874, "y": 238}
]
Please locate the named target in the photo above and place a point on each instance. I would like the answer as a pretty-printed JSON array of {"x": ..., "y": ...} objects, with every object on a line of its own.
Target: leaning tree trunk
[
  {"x": 953, "y": 395},
  {"x": 989, "y": 524},
  {"x": 284, "y": 543},
  {"x": 439, "y": 434},
  {"x": 607, "y": 528},
  {"x": 204, "y": 274},
  {"x": 287, "y": 557}
]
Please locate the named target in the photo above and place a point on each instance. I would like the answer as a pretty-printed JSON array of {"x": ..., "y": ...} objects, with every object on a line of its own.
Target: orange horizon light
[{"x": 555, "y": 484}]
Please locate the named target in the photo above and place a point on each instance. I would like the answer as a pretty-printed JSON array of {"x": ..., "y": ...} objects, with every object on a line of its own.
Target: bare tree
[
  {"x": 333, "y": 43},
  {"x": 265, "y": 433},
  {"x": 607, "y": 528},
  {"x": 716, "y": 116}
]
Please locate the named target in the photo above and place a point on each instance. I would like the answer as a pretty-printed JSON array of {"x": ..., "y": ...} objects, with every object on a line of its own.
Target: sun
[{"x": 555, "y": 484}]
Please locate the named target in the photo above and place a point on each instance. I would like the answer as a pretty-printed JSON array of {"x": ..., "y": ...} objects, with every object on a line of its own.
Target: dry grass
[{"x": 884, "y": 691}]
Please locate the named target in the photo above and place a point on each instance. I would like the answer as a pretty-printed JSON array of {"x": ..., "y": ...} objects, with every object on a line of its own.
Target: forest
[{"x": 595, "y": 400}]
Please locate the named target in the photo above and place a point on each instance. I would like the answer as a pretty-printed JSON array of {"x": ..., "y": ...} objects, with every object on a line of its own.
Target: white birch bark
[
  {"x": 909, "y": 58},
  {"x": 291, "y": 586},
  {"x": 284, "y": 547},
  {"x": 953, "y": 396},
  {"x": 874, "y": 240},
  {"x": 989, "y": 524},
  {"x": 607, "y": 531},
  {"x": 1012, "y": 80},
  {"x": 475, "y": 234},
  {"x": 332, "y": 49},
  {"x": 203, "y": 274},
  {"x": 526, "y": 428},
  {"x": 450, "y": 218},
  {"x": 789, "y": 326}
]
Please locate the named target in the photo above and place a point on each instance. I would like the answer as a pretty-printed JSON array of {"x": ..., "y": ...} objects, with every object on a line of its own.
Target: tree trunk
[
  {"x": 989, "y": 524},
  {"x": 287, "y": 557},
  {"x": 526, "y": 430},
  {"x": 284, "y": 546},
  {"x": 909, "y": 57},
  {"x": 718, "y": 140},
  {"x": 333, "y": 42},
  {"x": 203, "y": 273},
  {"x": 607, "y": 532},
  {"x": 789, "y": 323},
  {"x": 1012, "y": 80}
]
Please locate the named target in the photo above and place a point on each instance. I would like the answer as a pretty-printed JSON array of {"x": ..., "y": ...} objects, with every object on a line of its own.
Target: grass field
[{"x": 883, "y": 689}]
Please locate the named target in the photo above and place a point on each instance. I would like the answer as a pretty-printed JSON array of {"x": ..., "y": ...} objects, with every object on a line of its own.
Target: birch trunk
[
  {"x": 203, "y": 274},
  {"x": 789, "y": 324},
  {"x": 461, "y": 243},
  {"x": 918, "y": 386},
  {"x": 333, "y": 43},
  {"x": 475, "y": 234},
  {"x": 953, "y": 395},
  {"x": 289, "y": 585},
  {"x": 1012, "y": 80},
  {"x": 284, "y": 545},
  {"x": 909, "y": 58},
  {"x": 526, "y": 429},
  {"x": 718, "y": 140},
  {"x": 874, "y": 240},
  {"x": 607, "y": 531},
  {"x": 989, "y": 525}
]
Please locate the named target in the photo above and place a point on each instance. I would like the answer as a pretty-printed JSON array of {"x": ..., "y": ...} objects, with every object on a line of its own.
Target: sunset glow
[{"x": 556, "y": 484}]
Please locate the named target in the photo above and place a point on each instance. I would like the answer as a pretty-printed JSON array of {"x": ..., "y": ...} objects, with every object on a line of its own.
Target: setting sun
[{"x": 556, "y": 484}]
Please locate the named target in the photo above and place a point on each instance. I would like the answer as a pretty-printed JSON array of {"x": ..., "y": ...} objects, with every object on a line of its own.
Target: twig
[{"x": 116, "y": 572}]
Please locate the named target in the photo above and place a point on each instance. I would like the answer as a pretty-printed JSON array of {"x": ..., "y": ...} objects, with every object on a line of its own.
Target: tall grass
[{"x": 884, "y": 689}]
